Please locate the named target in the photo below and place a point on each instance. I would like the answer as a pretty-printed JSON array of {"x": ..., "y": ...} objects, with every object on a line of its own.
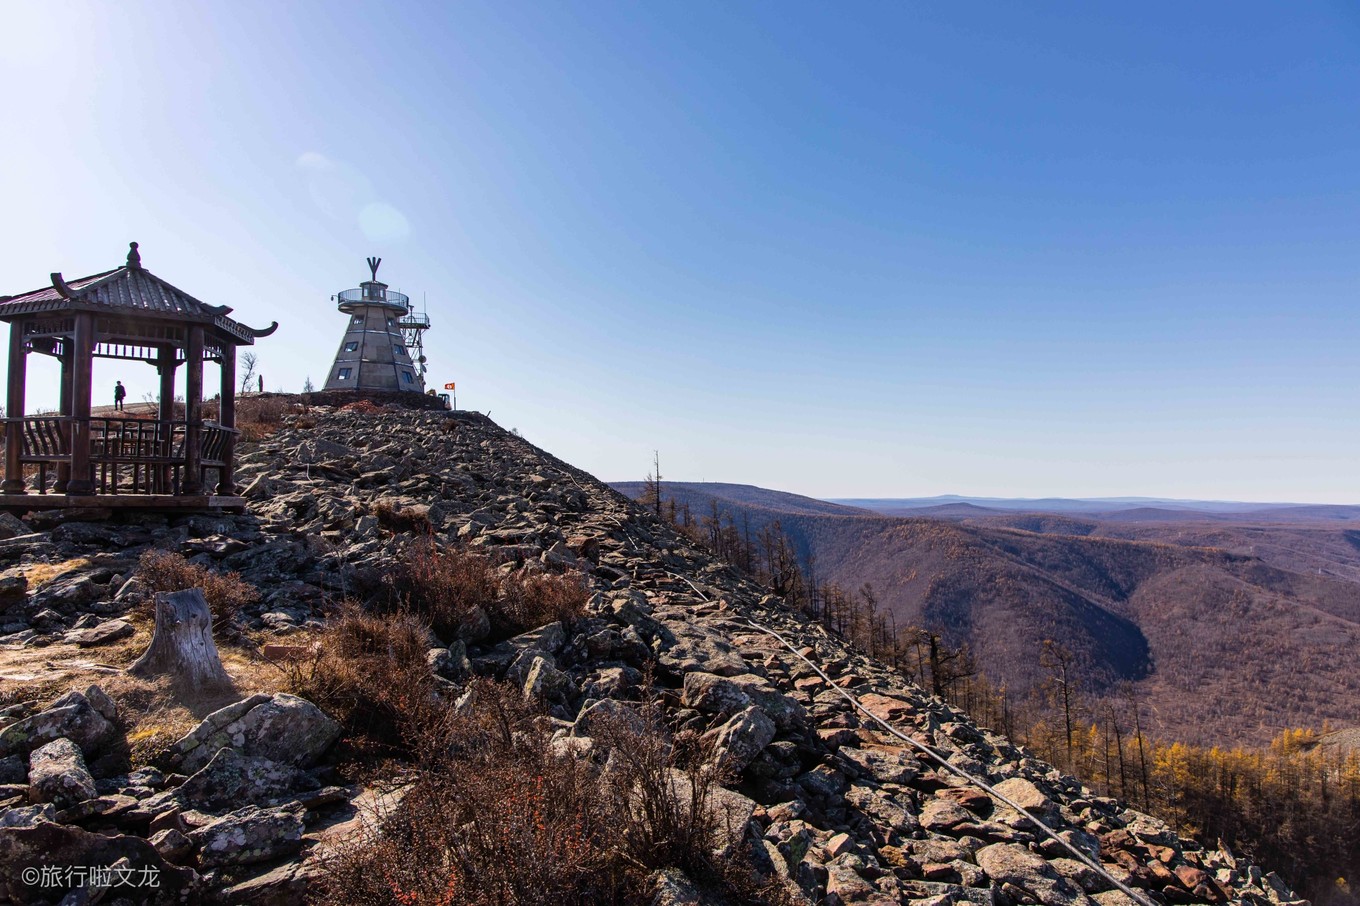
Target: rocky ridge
[{"x": 838, "y": 810}]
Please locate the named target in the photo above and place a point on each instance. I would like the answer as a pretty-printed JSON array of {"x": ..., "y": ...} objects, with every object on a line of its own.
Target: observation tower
[{"x": 383, "y": 347}]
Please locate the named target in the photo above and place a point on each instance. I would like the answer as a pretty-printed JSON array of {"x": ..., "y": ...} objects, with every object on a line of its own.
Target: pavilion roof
[{"x": 128, "y": 291}]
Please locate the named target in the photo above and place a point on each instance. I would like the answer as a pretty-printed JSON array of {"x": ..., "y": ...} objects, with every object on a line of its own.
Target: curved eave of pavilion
[{"x": 130, "y": 292}]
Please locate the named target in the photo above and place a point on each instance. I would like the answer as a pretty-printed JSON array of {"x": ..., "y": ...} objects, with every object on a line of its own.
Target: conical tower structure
[{"x": 382, "y": 348}]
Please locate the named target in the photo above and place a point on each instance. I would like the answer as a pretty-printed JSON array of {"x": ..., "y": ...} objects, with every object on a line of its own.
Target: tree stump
[{"x": 182, "y": 643}]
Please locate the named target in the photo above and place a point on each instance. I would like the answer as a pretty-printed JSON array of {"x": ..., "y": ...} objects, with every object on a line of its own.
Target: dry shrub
[
  {"x": 497, "y": 816},
  {"x": 494, "y": 818},
  {"x": 444, "y": 587},
  {"x": 370, "y": 673},
  {"x": 261, "y": 410},
  {"x": 226, "y": 593},
  {"x": 364, "y": 407},
  {"x": 533, "y": 599},
  {"x": 259, "y": 417},
  {"x": 396, "y": 519},
  {"x": 663, "y": 794},
  {"x": 255, "y": 432}
]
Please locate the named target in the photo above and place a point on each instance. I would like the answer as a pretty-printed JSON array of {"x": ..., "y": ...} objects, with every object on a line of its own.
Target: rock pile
[{"x": 839, "y": 810}]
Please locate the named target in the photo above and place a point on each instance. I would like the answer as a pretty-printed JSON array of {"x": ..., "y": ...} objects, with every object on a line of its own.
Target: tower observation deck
[{"x": 383, "y": 346}]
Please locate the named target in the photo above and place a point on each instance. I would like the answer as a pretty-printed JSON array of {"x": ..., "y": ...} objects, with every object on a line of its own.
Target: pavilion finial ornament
[
  {"x": 373, "y": 267},
  {"x": 134, "y": 257}
]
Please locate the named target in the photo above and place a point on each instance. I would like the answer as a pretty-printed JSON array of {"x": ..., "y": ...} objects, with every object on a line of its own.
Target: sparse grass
[
  {"x": 40, "y": 573},
  {"x": 226, "y": 593},
  {"x": 153, "y": 713}
]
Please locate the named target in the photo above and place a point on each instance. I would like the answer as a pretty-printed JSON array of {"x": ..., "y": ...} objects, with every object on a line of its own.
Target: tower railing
[{"x": 389, "y": 297}]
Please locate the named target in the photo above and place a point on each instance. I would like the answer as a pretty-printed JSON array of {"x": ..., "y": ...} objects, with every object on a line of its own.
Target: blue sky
[{"x": 880, "y": 249}]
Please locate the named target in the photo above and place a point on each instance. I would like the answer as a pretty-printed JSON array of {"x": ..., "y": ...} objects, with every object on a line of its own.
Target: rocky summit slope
[{"x": 241, "y": 807}]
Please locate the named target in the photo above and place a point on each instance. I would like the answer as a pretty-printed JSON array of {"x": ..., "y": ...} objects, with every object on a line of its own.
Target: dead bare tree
[
  {"x": 249, "y": 361},
  {"x": 651, "y": 491}
]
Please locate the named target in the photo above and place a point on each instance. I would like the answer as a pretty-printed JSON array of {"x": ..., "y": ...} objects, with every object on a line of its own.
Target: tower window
[
  {"x": 408, "y": 377},
  {"x": 344, "y": 374},
  {"x": 399, "y": 350},
  {"x": 357, "y": 319},
  {"x": 352, "y": 346},
  {"x": 391, "y": 322}
]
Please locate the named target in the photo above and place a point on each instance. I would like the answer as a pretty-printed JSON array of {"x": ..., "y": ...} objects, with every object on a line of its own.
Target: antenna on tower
[{"x": 373, "y": 267}]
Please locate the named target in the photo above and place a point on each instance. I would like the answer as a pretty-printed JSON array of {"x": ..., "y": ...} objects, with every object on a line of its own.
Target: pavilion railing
[{"x": 127, "y": 455}]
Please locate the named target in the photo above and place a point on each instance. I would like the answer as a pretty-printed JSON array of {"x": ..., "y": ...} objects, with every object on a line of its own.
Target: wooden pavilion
[{"x": 158, "y": 462}]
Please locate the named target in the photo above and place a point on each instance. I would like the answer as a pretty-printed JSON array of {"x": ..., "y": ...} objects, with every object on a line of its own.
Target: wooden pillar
[
  {"x": 67, "y": 365},
  {"x": 193, "y": 413},
  {"x": 227, "y": 416},
  {"x": 14, "y": 408},
  {"x": 82, "y": 375},
  {"x": 165, "y": 413},
  {"x": 166, "y": 365}
]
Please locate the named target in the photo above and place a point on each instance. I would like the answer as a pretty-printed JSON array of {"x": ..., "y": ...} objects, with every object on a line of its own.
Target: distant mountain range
[
  {"x": 1234, "y": 620},
  {"x": 1138, "y": 508}
]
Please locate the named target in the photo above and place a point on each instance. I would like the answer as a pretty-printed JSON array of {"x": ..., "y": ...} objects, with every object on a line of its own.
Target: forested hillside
[{"x": 1232, "y": 635}]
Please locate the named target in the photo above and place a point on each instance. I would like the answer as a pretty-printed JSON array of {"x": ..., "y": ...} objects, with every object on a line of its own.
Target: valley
[{"x": 1230, "y": 623}]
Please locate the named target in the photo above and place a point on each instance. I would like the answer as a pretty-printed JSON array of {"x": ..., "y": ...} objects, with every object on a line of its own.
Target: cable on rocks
[{"x": 975, "y": 781}]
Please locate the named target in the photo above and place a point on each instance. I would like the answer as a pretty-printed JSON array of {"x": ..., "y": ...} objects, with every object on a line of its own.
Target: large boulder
[
  {"x": 251, "y": 834},
  {"x": 231, "y": 780},
  {"x": 670, "y": 887},
  {"x": 316, "y": 449},
  {"x": 1029, "y": 797},
  {"x": 881, "y": 765},
  {"x": 544, "y": 681},
  {"x": 1010, "y": 863},
  {"x": 714, "y": 694},
  {"x": 85, "y": 718},
  {"x": 27, "y": 815},
  {"x": 34, "y": 863},
  {"x": 57, "y": 774},
  {"x": 281, "y": 727},
  {"x": 737, "y": 742},
  {"x": 685, "y": 646},
  {"x": 606, "y": 713},
  {"x": 726, "y": 696}
]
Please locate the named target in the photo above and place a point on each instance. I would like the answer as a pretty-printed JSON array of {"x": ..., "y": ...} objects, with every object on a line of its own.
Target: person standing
[{"x": 119, "y": 394}]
